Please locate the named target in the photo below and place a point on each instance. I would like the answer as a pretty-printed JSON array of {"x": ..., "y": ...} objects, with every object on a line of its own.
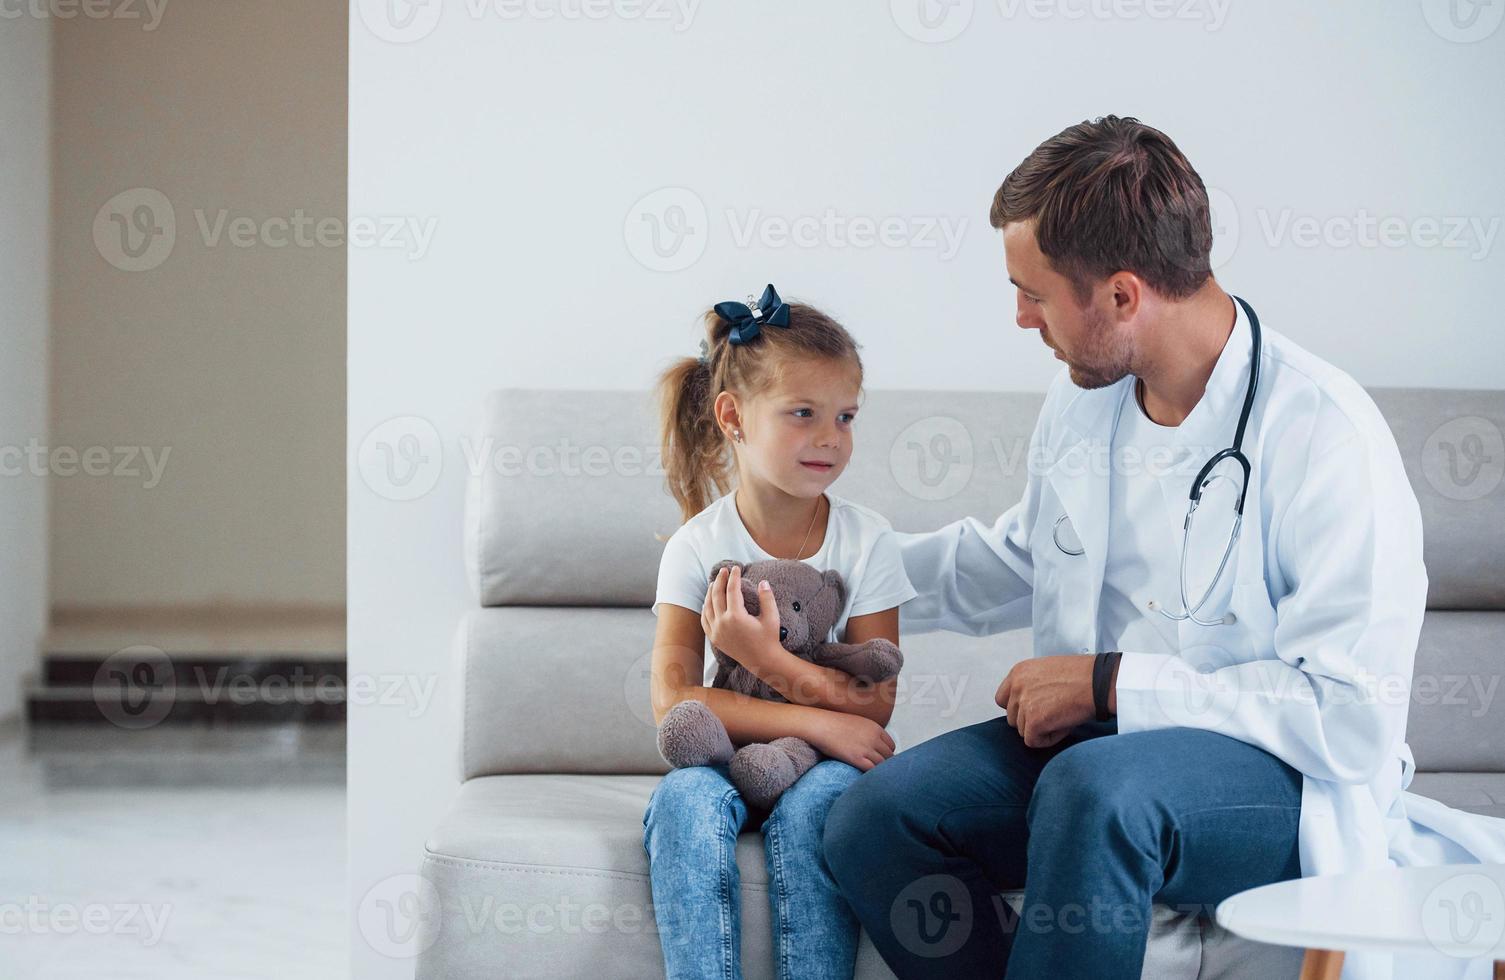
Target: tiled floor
[{"x": 172, "y": 853}]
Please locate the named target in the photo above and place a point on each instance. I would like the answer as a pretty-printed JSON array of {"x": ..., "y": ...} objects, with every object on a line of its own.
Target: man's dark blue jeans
[{"x": 1095, "y": 829}]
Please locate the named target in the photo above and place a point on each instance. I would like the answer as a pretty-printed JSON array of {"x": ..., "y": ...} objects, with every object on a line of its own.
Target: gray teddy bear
[{"x": 810, "y": 601}]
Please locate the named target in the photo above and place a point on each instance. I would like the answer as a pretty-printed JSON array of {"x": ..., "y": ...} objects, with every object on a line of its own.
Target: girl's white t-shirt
[{"x": 860, "y": 544}]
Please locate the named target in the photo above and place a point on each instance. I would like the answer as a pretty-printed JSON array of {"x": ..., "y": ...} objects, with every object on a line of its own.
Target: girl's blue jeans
[{"x": 690, "y": 832}]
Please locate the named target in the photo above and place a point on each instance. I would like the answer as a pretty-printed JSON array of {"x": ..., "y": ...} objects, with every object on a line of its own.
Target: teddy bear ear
[
  {"x": 833, "y": 581},
  {"x": 725, "y": 563}
]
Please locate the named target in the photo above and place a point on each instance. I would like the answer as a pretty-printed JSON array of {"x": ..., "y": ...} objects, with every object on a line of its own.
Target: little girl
[{"x": 771, "y": 401}]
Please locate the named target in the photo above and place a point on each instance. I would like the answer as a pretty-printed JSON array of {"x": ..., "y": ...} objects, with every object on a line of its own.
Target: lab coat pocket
[{"x": 1244, "y": 639}]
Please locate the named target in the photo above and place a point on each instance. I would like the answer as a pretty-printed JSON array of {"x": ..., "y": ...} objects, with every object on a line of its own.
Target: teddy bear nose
[{"x": 783, "y": 633}]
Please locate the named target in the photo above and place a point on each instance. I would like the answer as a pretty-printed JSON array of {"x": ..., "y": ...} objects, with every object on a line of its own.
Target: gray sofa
[{"x": 539, "y": 866}]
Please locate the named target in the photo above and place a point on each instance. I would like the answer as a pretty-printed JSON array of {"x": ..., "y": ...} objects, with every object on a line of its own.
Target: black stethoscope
[{"x": 1201, "y": 483}]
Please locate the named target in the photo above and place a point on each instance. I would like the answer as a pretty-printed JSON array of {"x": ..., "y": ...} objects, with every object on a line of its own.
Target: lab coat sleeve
[
  {"x": 1331, "y": 698},
  {"x": 974, "y": 578}
]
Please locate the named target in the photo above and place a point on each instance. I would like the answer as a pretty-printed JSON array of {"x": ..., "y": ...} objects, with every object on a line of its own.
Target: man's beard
[{"x": 1107, "y": 359}]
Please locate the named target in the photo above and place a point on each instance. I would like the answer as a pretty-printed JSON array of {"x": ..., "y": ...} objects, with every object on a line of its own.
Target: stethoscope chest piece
[{"x": 1067, "y": 541}]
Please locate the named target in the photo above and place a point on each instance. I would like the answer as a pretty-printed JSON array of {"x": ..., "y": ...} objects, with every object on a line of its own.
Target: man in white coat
[{"x": 1147, "y": 755}]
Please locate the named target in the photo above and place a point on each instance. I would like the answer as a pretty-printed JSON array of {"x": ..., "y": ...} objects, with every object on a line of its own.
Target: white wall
[
  {"x": 24, "y": 242},
  {"x": 535, "y": 143}
]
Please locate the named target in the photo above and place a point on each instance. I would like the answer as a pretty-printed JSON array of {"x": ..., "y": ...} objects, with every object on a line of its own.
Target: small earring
[{"x": 738, "y": 434}]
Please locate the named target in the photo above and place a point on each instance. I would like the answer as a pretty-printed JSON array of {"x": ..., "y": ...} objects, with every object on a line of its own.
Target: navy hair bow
[{"x": 747, "y": 318}]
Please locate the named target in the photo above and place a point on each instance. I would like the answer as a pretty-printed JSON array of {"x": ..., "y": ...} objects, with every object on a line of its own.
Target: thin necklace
[
  {"x": 808, "y": 529},
  {"x": 813, "y": 515}
]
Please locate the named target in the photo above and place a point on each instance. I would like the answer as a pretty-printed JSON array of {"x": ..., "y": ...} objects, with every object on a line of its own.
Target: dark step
[
  {"x": 144, "y": 706},
  {"x": 142, "y": 687},
  {"x": 192, "y": 669}
]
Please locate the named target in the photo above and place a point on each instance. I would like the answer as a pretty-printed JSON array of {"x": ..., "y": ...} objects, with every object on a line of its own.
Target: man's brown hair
[{"x": 1113, "y": 194}]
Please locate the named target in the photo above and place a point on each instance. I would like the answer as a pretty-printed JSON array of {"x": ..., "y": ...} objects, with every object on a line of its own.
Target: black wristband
[{"x": 1102, "y": 680}]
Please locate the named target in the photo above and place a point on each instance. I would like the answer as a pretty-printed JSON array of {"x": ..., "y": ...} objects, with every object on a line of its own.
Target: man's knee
[
  {"x": 858, "y": 821},
  {"x": 1090, "y": 787}
]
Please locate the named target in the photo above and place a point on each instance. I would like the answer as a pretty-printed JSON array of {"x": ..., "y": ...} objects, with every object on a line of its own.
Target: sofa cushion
[
  {"x": 1477, "y": 792},
  {"x": 1457, "y": 715},
  {"x": 579, "y": 473},
  {"x": 546, "y": 876},
  {"x": 589, "y": 712},
  {"x": 598, "y": 661},
  {"x": 1450, "y": 442}
]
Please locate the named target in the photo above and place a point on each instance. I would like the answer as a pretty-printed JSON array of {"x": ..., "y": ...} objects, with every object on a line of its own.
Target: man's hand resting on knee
[{"x": 1046, "y": 697}]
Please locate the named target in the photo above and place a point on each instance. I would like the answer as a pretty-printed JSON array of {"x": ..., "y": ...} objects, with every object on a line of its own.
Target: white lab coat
[{"x": 1327, "y": 586}]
